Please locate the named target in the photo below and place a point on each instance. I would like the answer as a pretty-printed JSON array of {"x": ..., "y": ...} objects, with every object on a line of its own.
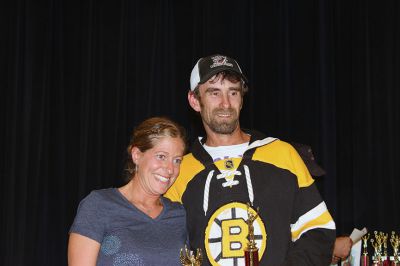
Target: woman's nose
[{"x": 169, "y": 167}]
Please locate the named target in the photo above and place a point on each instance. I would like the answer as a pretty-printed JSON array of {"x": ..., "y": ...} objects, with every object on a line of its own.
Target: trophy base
[{"x": 251, "y": 257}]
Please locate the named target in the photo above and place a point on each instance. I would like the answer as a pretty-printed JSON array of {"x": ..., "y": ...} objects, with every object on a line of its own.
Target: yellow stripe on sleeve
[{"x": 318, "y": 217}]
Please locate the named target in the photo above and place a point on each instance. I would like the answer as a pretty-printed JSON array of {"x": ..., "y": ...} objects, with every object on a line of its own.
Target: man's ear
[{"x": 193, "y": 101}]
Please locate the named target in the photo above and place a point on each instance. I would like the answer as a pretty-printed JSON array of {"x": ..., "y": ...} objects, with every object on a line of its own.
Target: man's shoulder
[
  {"x": 190, "y": 164},
  {"x": 272, "y": 146},
  {"x": 284, "y": 156}
]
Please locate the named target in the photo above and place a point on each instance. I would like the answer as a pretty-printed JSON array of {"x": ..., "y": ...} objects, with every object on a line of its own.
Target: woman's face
[{"x": 158, "y": 167}]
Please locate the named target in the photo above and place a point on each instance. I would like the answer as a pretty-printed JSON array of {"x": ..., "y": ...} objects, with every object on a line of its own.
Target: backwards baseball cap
[
  {"x": 209, "y": 66},
  {"x": 306, "y": 154}
]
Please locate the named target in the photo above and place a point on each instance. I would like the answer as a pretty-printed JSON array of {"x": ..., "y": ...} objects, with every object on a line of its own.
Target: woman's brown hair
[{"x": 146, "y": 135}]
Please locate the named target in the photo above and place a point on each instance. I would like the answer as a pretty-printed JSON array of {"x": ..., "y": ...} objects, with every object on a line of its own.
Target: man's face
[{"x": 220, "y": 102}]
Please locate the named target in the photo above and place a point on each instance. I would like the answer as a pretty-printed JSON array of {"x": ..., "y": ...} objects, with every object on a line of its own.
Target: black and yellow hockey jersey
[{"x": 294, "y": 226}]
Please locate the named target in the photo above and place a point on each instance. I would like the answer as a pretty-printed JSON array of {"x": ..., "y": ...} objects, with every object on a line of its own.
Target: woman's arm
[{"x": 82, "y": 251}]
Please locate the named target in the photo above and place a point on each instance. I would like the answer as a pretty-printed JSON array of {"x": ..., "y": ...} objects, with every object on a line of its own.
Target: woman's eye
[
  {"x": 178, "y": 161},
  {"x": 161, "y": 156}
]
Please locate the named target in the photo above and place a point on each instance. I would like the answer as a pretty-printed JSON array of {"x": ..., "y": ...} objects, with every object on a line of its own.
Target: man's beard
[{"x": 227, "y": 126}]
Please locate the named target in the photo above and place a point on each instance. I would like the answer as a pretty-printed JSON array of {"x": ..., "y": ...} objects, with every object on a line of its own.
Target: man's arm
[
  {"x": 313, "y": 230},
  {"x": 313, "y": 248},
  {"x": 342, "y": 248}
]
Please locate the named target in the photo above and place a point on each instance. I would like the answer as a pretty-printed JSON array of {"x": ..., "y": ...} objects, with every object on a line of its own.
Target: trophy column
[
  {"x": 251, "y": 255},
  {"x": 251, "y": 251}
]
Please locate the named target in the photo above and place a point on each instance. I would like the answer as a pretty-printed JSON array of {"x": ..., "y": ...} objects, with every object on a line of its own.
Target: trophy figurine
[
  {"x": 189, "y": 259},
  {"x": 364, "y": 257},
  {"x": 251, "y": 251}
]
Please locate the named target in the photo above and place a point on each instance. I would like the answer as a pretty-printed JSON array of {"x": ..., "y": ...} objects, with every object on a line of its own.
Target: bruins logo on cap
[{"x": 226, "y": 235}]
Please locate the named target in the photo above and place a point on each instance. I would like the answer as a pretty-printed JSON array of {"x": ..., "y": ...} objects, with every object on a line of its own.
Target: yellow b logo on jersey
[{"x": 226, "y": 235}]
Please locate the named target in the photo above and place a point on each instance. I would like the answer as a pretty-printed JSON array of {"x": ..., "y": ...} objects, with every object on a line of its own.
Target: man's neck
[{"x": 236, "y": 137}]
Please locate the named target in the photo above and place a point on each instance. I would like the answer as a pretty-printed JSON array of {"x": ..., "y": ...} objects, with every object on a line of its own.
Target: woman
[{"x": 135, "y": 224}]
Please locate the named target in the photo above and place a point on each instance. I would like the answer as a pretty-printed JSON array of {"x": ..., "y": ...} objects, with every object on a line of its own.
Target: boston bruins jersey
[{"x": 293, "y": 226}]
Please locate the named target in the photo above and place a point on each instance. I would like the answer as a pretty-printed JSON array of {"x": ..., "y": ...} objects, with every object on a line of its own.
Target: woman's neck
[{"x": 151, "y": 205}]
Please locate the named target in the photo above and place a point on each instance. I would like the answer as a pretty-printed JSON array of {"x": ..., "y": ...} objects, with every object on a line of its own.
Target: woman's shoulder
[
  {"x": 172, "y": 204},
  {"x": 100, "y": 196},
  {"x": 104, "y": 192},
  {"x": 174, "y": 212}
]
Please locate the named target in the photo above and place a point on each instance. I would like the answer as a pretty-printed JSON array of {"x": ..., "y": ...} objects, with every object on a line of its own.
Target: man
[{"x": 231, "y": 167}]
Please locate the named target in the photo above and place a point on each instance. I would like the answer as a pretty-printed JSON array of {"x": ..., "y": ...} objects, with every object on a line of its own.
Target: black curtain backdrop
[{"x": 77, "y": 76}]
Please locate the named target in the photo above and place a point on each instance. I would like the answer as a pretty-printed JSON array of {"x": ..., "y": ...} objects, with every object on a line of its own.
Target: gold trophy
[
  {"x": 395, "y": 242},
  {"x": 377, "y": 245},
  {"x": 364, "y": 257},
  {"x": 188, "y": 258},
  {"x": 251, "y": 251}
]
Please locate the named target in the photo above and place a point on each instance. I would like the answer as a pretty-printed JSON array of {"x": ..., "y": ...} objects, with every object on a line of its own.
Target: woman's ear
[
  {"x": 135, "y": 155},
  {"x": 194, "y": 101}
]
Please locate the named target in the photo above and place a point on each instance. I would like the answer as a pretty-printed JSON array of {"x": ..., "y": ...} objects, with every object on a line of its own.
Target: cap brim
[
  {"x": 314, "y": 168},
  {"x": 307, "y": 156},
  {"x": 217, "y": 70}
]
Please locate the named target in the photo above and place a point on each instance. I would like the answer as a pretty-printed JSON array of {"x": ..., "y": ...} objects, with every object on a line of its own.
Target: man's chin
[{"x": 225, "y": 129}]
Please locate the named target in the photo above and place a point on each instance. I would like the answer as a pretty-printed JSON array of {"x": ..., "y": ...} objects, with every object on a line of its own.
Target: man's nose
[{"x": 225, "y": 101}]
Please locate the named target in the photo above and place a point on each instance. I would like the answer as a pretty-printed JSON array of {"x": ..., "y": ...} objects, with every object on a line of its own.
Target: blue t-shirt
[{"x": 127, "y": 235}]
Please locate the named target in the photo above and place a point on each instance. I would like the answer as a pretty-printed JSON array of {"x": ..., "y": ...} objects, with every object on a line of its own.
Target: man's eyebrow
[{"x": 211, "y": 89}]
